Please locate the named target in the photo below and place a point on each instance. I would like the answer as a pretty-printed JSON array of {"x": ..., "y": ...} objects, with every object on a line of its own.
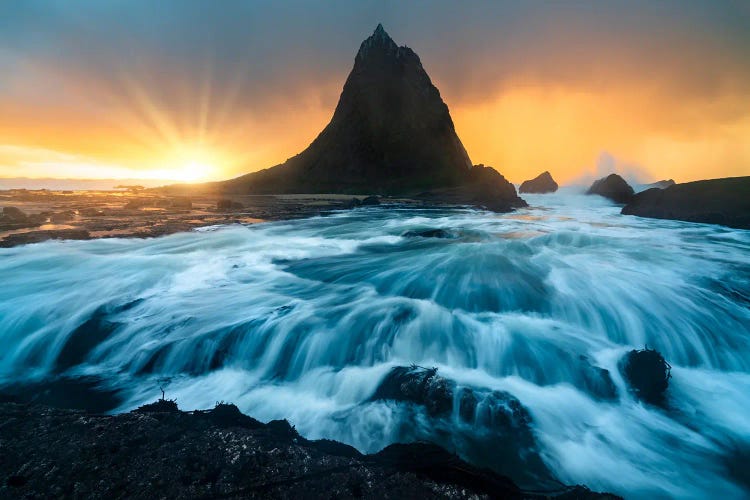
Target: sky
[{"x": 193, "y": 90}]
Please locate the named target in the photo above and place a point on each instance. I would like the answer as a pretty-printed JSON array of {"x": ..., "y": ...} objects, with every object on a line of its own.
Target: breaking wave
[{"x": 531, "y": 311}]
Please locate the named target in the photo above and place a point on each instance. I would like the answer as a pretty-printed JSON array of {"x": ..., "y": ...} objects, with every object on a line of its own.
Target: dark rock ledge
[{"x": 158, "y": 451}]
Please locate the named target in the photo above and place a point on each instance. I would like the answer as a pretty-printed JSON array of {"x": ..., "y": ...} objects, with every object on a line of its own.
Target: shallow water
[{"x": 303, "y": 319}]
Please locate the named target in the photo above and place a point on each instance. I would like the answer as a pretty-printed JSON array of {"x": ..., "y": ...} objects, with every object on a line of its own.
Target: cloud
[{"x": 260, "y": 79}]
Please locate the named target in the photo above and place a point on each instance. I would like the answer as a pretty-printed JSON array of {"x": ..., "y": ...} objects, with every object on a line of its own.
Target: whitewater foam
[{"x": 303, "y": 319}]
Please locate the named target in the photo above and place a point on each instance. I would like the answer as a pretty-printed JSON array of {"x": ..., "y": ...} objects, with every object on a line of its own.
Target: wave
[{"x": 305, "y": 319}]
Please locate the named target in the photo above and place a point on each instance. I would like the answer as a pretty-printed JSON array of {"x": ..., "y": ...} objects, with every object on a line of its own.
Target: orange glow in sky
[{"x": 95, "y": 97}]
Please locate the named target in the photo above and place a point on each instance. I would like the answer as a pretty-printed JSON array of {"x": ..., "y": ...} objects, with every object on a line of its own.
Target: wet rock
[
  {"x": 226, "y": 204},
  {"x": 354, "y": 203},
  {"x": 417, "y": 385},
  {"x": 13, "y": 214},
  {"x": 159, "y": 406},
  {"x": 13, "y": 218},
  {"x": 613, "y": 187},
  {"x": 428, "y": 233},
  {"x": 467, "y": 405},
  {"x": 39, "y": 236},
  {"x": 182, "y": 203},
  {"x": 370, "y": 201},
  {"x": 91, "y": 212},
  {"x": 488, "y": 188},
  {"x": 65, "y": 216},
  {"x": 715, "y": 201},
  {"x": 543, "y": 183},
  {"x": 220, "y": 453},
  {"x": 597, "y": 381},
  {"x": 87, "y": 393},
  {"x": 647, "y": 373},
  {"x": 89, "y": 334}
]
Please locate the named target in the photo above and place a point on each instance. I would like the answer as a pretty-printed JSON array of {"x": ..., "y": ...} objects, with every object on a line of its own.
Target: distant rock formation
[
  {"x": 716, "y": 201},
  {"x": 391, "y": 134},
  {"x": 613, "y": 187},
  {"x": 663, "y": 184},
  {"x": 543, "y": 183}
]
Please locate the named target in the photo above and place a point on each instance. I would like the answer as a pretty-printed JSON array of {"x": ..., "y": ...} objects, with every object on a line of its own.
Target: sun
[{"x": 194, "y": 171}]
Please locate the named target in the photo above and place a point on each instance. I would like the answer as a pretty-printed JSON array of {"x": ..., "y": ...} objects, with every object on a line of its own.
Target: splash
[{"x": 530, "y": 312}]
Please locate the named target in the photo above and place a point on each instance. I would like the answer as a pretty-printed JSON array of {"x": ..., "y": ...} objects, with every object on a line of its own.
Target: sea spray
[{"x": 304, "y": 319}]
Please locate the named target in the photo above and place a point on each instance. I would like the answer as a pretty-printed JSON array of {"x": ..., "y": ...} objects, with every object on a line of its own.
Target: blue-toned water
[{"x": 303, "y": 319}]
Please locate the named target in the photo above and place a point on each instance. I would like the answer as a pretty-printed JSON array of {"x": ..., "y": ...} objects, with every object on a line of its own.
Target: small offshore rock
[
  {"x": 543, "y": 183},
  {"x": 613, "y": 187},
  {"x": 647, "y": 373}
]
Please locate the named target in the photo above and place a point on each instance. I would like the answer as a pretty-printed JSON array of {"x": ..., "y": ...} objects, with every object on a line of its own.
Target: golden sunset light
[
  {"x": 375, "y": 249},
  {"x": 520, "y": 103}
]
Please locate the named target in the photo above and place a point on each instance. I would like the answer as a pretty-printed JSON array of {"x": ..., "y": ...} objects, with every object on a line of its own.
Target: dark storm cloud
[{"x": 273, "y": 49}]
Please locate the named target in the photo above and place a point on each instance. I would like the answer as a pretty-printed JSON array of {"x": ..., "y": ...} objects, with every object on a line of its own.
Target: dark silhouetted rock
[
  {"x": 647, "y": 373},
  {"x": 597, "y": 381},
  {"x": 613, "y": 187},
  {"x": 418, "y": 385},
  {"x": 159, "y": 406},
  {"x": 391, "y": 133},
  {"x": 485, "y": 188},
  {"x": 543, "y": 183},
  {"x": 496, "y": 430},
  {"x": 159, "y": 451},
  {"x": 370, "y": 201},
  {"x": 716, "y": 201},
  {"x": 39, "y": 236},
  {"x": 428, "y": 233},
  {"x": 663, "y": 184}
]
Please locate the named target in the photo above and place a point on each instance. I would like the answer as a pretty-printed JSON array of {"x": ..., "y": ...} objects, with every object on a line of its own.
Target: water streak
[{"x": 303, "y": 319}]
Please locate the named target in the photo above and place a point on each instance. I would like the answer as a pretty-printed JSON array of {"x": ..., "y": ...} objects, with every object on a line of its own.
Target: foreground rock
[
  {"x": 543, "y": 183},
  {"x": 158, "y": 451},
  {"x": 716, "y": 201},
  {"x": 647, "y": 373},
  {"x": 613, "y": 187},
  {"x": 391, "y": 134},
  {"x": 495, "y": 430}
]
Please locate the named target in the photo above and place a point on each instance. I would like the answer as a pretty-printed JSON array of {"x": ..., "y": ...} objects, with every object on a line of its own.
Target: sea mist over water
[{"x": 303, "y": 320}]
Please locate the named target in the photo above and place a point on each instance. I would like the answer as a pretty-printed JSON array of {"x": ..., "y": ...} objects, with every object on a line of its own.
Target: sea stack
[
  {"x": 613, "y": 187},
  {"x": 716, "y": 201},
  {"x": 543, "y": 183},
  {"x": 391, "y": 134}
]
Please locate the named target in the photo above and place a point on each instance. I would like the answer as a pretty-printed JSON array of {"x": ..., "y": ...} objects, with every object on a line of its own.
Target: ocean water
[{"x": 303, "y": 320}]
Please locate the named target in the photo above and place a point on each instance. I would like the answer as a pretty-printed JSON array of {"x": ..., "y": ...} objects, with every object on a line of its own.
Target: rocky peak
[{"x": 377, "y": 43}]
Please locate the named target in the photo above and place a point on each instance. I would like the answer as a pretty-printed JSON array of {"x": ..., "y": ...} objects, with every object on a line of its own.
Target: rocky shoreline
[{"x": 160, "y": 451}]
